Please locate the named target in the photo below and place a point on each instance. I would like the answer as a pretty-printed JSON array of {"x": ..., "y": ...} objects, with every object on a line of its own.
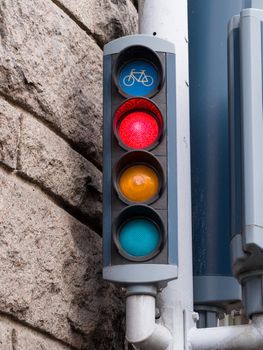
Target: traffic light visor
[{"x": 138, "y": 72}]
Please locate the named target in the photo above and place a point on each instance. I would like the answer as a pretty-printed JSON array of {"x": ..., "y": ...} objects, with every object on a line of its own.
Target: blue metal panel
[
  {"x": 172, "y": 160},
  {"x": 247, "y": 3},
  {"x": 208, "y": 23},
  {"x": 107, "y": 161},
  {"x": 209, "y": 134}
]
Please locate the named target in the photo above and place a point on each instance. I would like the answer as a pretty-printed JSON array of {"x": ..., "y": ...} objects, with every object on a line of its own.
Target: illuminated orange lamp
[{"x": 139, "y": 183}]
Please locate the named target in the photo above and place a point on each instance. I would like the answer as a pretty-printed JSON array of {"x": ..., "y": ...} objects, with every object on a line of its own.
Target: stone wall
[{"x": 51, "y": 292}]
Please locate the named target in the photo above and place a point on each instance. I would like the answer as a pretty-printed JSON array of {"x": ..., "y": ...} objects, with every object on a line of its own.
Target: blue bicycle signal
[{"x": 138, "y": 78}]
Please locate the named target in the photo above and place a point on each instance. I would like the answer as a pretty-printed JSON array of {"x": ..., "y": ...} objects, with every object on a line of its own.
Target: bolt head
[{"x": 195, "y": 316}]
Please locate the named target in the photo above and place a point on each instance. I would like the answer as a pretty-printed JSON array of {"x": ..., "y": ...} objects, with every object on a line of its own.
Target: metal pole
[{"x": 167, "y": 19}]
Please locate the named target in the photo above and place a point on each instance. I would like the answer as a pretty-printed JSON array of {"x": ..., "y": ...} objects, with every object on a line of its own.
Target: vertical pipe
[
  {"x": 141, "y": 329},
  {"x": 168, "y": 20}
]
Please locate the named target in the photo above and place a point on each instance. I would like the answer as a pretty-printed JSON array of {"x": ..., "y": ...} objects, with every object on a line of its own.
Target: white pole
[{"x": 167, "y": 19}]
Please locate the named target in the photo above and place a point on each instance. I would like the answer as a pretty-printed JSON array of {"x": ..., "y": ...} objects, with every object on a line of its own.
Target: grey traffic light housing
[
  {"x": 246, "y": 139},
  {"x": 160, "y": 266}
]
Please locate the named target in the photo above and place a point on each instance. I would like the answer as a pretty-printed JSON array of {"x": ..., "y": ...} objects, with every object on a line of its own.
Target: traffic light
[
  {"x": 246, "y": 130},
  {"x": 139, "y": 161}
]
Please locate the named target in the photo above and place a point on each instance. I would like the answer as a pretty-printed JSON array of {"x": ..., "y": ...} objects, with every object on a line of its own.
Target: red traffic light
[
  {"x": 138, "y": 124},
  {"x": 138, "y": 130}
]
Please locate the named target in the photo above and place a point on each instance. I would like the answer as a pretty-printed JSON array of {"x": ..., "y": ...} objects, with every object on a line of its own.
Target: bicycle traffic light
[{"x": 139, "y": 161}]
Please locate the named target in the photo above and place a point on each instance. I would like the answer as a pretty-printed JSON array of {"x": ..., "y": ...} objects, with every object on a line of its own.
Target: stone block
[
  {"x": 51, "y": 271},
  {"x": 9, "y": 134},
  {"x": 15, "y": 336},
  {"x": 52, "y": 68},
  {"x": 104, "y": 19},
  {"x": 48, "y": 161}
]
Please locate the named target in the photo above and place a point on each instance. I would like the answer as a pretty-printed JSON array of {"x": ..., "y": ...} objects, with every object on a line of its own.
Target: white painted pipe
[
  {"x": 168, "y": 20},
  {"x": 141, "y": 329},
  {"x": 244, "y": 337}
]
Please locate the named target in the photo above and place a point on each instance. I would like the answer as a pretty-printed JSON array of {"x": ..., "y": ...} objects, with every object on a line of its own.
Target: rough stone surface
[
  {"x": 51, "y": 67},
  {"x": 14, "y": 336},
  {"x": 9, "y": 134},
  {"x": 47, "y": 160},
  {"x": 104, "y": 19},
  {"x": 50, "y": 152},
  {"x": 51, "y": 271}
]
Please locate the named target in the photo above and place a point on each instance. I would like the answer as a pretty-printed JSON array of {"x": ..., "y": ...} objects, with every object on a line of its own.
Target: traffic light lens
[
  {"x": 139, "y": 237},
  {"x": 139, "y": 183},
  {"x": 138, "y": 233},
  {"x": 138, "y": 124},
  {"x": 138, "y": 130},
  {"x": 138, "y": 78},
  {"x": 138, "y": 177}
]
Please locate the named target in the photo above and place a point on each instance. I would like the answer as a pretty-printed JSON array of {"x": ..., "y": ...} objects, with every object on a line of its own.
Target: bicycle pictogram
[{"x": 139, "y": 76}]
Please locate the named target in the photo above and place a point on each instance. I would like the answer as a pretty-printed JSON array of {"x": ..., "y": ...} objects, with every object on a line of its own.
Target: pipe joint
[{"x": 141, "y": 329}]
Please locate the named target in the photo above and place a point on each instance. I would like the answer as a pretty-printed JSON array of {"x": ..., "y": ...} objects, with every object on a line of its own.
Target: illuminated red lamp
[{"x": 138, "y": 124}]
